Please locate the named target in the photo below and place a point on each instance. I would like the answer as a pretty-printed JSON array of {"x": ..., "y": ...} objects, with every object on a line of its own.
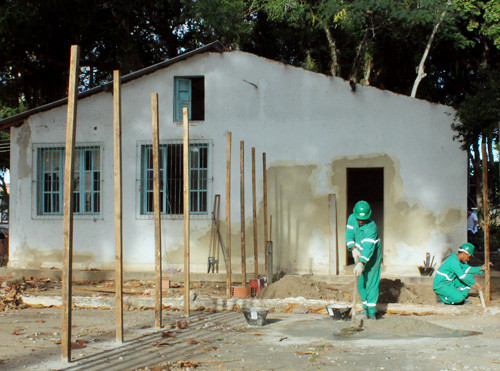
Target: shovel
[
  {"x": 356, "y": 323},
  {"x": 481, "y": 297},
  {"x": 354, "y": 294}
]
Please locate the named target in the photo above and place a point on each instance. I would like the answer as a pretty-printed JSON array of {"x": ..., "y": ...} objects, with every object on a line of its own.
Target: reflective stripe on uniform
[
  {"x": 371, "y": 304},
  {"x": 350, "y": 226},
  {"x": 362, "y": 257},
  {"x": 350, "y": 243},
  {"x": 364, "y": 303},
  {"x": 465, "y": 274},
  {"x": 359, "y": 246},
  {"x": 370, "y": 240},
  {"x": 464, "y": 288},
  {"x": 445, "y": 275}
]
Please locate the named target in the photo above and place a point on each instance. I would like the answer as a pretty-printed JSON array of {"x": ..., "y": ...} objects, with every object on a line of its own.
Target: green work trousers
[
  {"x": 454, "y": 293},
  {"x": 368, "y": 287}
]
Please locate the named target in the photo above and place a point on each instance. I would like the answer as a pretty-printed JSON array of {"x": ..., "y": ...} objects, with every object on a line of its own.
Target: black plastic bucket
[
  {"x": 255, "y": 316},
  {"x": 338, "y": 311}
]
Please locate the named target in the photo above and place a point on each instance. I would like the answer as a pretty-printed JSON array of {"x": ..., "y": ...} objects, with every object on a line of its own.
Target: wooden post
[
  {"x": 269, "y": 253},
  {"x": 67, "y": 272},
  {"x": 186, "y": 180},
  {"x": 334, "y": 249},
  {"x": 486, "y": 221},
  {"x": 117, "y": 154},
  {"x": 242, "y": 203},
  {"x": 228, "y": 216},
  {"x": 254, "y": 199},
  {"x": 157, "y": 209},
  {"x": 216, "y": 234},
  {"x": 264, "y": 182}
]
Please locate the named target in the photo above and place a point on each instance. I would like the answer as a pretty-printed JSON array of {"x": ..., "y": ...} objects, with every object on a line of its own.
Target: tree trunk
[
  {"x": 3, "y": 186},
  {"x": 491, "y": 157},
  {"x": 367, "y": 72},
  {"x": 334, "y": 67},
  {"x": 359, "y": 53},
  {"x": 420, "y": 72}
]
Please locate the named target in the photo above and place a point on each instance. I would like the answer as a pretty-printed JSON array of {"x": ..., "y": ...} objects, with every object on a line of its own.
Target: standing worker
[
  {"x": 453, "y": 279},
  {"x": 364, "y": 243},
  {"x": 471, "y": 226}
]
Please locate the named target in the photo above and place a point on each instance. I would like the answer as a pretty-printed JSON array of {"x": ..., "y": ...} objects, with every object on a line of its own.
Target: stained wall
[{"x": 312, "y": 128}]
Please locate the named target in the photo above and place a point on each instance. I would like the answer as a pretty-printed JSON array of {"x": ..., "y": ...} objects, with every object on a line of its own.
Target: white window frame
[{"x": 34, "y": 184}]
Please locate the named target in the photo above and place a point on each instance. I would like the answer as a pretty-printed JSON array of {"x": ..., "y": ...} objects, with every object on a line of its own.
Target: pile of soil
[
  {"x": 292, "y": 286},
  {"x": 391, "y": 291},
  {"x": 394, "y": 327}
]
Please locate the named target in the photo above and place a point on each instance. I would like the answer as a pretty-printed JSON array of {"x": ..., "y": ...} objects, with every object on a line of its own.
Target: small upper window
[{"x": 189, "y": 92}]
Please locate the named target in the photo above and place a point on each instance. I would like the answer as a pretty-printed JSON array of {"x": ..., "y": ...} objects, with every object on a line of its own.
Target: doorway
[{"x": 367, "y": 184}]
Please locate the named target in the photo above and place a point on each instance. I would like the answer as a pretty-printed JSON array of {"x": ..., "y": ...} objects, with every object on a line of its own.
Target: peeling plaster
[
  {"x": 406, "y": 221},
  {"x": 52, "y": 258},
  {"x": 23, "y": 141}
]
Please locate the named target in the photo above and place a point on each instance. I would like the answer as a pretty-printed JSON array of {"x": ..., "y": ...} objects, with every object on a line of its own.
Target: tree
[
  {"x": 477, "y": 118},
  {"x": 114, "y": 34}
]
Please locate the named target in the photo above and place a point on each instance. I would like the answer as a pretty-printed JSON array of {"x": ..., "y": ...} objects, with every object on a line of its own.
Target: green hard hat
[
  {"x": 467, "y": 247},
  {"x": 362, "y": 210}
]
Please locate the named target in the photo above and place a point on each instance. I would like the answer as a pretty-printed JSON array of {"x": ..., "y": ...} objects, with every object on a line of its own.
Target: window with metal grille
[
  {"x": 87, "y": 181},
  {"x": 171, "y": 178}
]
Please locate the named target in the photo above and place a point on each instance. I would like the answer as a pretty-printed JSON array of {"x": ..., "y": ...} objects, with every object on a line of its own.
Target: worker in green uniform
[
  {"x": 363, "y": 241},
  {"x": 453, "y": 279}
]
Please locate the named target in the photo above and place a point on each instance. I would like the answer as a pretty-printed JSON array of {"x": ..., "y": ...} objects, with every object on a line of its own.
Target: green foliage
[
  {"x": 479, "y": 112},
  {"x": 227, "y": 21}
]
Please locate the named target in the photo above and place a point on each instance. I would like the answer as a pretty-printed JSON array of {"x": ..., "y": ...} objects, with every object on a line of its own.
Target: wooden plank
[
  {"x": 264, "y": 186},
  {"x": 125, "y": 290},
  {"x": 333, "y": 262},
  {"x": 228, "y": 215},
  {"x": 254, "y": 202},
  {"x": 186, "y": 180},
  {"x": 217, "y": 226},
  {"x": 67, "y": 272},
  {"x": 117, "y": 156},
  {"x": 242, "y": 203},
  {"x": 156, "y": 207},
  {"x": 486, "y": 225}
]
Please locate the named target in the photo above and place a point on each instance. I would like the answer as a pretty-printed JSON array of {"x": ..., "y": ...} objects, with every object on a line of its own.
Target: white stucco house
[{"x": 323, "y": 142}]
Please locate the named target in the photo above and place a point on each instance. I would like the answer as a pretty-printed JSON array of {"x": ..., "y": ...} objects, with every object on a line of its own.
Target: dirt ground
[
  {"x": 287, "y": 341},
  {"x": 292, "y": 338}
]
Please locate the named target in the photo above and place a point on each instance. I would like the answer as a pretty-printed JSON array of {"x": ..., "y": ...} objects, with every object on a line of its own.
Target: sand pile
[
  {"x": 391, "y": 291},
  {"x": 292, "y": 286},
  {"x": 403, "y": 327}
]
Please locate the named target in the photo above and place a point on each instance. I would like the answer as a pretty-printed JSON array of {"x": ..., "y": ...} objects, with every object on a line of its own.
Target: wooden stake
[
  {"x": 157, "y": 208},
  {"x": 186, "y": 180},
  {"x": 486, "y": 221},
  {"x": 254, "y": 199},
  {"x": 228, "y": 215},
  {"x": 67, "y": 272},
  {"x": 117, "y": 154},
  {"x": 334, "y": 249},
  {"x": 216, "y": 234},
  {"x": 270, "y": 228},
  {"x": 242, "y": 203},
  {"x": 264, "y": 182}
]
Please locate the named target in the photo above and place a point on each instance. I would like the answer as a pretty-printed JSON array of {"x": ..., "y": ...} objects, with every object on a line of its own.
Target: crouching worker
[
  {"x": 453, "y": 279},
  {"x": 363, "y": 241}
]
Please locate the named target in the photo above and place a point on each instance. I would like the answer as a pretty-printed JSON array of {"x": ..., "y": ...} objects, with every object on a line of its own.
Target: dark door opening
[{"x": 366, "y": 184}]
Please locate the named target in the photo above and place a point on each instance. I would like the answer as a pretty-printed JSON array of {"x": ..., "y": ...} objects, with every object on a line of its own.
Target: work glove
[
  {"x": 356, "y": 254},
  {"x": 358, "y": 269}
]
